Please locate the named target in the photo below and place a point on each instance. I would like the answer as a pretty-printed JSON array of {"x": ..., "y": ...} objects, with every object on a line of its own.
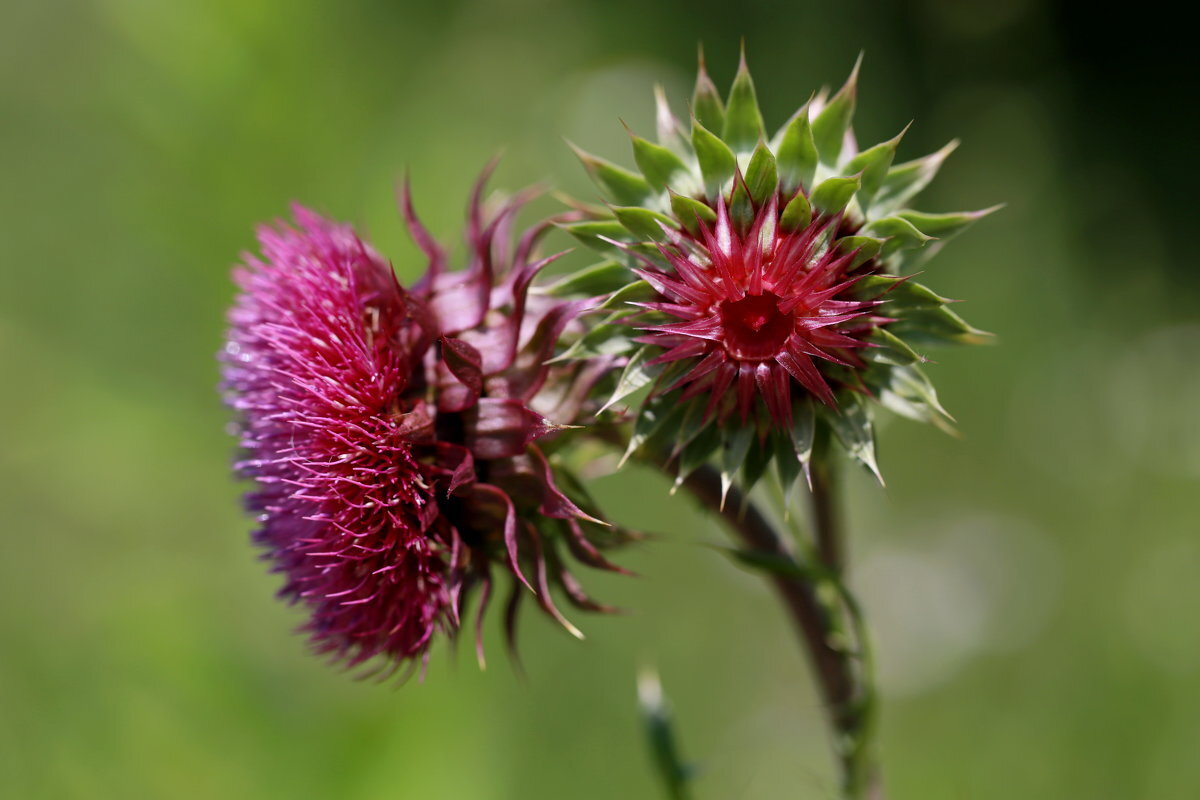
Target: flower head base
[
  {"x": 399, "y": 440},
  {"x": 773, "y": 294},
  {"x": 756, "y": 310}
]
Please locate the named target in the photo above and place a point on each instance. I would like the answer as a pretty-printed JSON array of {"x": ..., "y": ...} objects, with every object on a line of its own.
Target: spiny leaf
[
  {"x": 664, "y": 750},
  {"x": 653, "y": 417},
  {"x": 786, "y": 464},
  {"x": 687, "y": 210},
  {"x": 907, "y": 392},
  {"x": 904, "y": 181},
  {"x": 867, "y": 246},
  {"x": 797, "y": 214},
  {"x": 944, "y": 226},
  {"x": 631, "y": 293},
  {"x": 829, "y": 128},
  {"x": 734, "y": 448},
  {"x": 717, "y": 161},
  {"x": 619, "y": 184},
  {"x": 903, "y": 292},
  {"x": 706, "y": 100},
  {"x": 697, "y": 452},
  {"x": 635, "y": 375},
  {"x": 833, "y": 194},
  {"x": 690, "y": 424},
  {"x": 670, "y": 132},
  {"x": 658, "y": 164},
  {"x": 743, "y": 126},
  {"x": 889, "y": 349},
  {"x": 595, "y": 233},
  {"x": 774, "y": 563},
  {"x": 874, "y": 163},
  {"x": 803, "y": 432},
  {"x": 643, "y": 223},
  {"x": 598, "y": 279},
  {"x": 741, "y": 207},
  {"x": 796, "y": 153},
  {"x": 762, "y": 177},
  {"x": 900, "y": 234},
  {"x": 852, "y": 423},
  {"x": 910, "y": 381},
  {"x": 937, "y": 326},
  {"x": 757, "y": 461},
  {"x": 608, "y": 338}
]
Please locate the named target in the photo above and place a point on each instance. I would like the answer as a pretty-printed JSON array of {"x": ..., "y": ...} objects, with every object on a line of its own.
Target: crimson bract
[{"x": 398, "y": 439}]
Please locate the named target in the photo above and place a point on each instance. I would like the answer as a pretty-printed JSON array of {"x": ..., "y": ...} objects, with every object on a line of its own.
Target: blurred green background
[{"x": 1033, "y": 585}]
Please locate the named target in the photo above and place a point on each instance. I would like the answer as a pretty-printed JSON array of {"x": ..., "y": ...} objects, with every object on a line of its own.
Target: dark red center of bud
[{"x": 755, "y": 329}]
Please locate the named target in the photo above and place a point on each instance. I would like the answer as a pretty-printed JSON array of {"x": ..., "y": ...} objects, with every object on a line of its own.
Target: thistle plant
[
  {"x": 400, "y": 441},
  {"x": 773, "y": 281},
  {"x": 754, "y": 307}
]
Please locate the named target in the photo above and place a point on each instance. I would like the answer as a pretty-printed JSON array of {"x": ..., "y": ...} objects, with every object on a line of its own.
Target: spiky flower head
[
  {"x": 773, "y": 295},
  {"x": 399, "y": 440}
]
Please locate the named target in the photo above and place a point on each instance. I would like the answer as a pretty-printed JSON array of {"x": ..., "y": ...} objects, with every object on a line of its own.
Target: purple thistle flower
[
  {"x": 757, "y": 309},
  {"x": 391, "y": 433}
]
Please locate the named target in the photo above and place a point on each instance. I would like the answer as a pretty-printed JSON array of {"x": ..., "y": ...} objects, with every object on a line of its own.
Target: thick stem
[
  {"x": 825, "y": 518},
  {"x": 834, "y": 666}
]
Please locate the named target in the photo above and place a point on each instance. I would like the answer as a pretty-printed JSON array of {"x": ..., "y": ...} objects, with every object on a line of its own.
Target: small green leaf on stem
[{"x": 664, "y": 749}]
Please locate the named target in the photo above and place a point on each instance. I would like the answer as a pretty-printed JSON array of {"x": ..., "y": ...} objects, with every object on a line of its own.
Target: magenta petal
[
  {"x": 554, "y": 502},
  {"x": 464, "y": 362},
  {"x": 801, "y": 367},
  {"x": 502, "y": 428},
  {"x": 511, "y": 548}
]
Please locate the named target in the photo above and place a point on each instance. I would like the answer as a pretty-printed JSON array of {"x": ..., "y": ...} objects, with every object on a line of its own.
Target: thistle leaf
[
  {"x": 889, "y": 349},
  {"x": 903, "y": 292},
  {"x": 867, "y": 246},
  {"x": 851, "y": 422},
  {"x": 741, "y": 207},
  {"x": 905, "y": 181},
  {"x": 762, "y": 177},
  {"x": 643, "y": 223},
  {"x": 634, "y": 376},
  {"x": 619, "y": 184},
  {"x": 688, "y": 210},
  {"x": 652, "y": 418},
  {"x": 706, "y": 101},
  {"x": 743, "y": 128},
  {"x": 873, "y": 163},
  {"x": 631, "y": 293},
  {"x": 664, "y": 750},
  {"x": 598, "y": 279},
  {"x": 944, "y": 226},
  {"x": 717, "y": 161},
  {"x": 937, "y": 326},
  {"x": 804, "y": 430},
  {"x": 797, "y": 214},
  {"x": 667, "y": 125},
  {"x": 906, "y": 391},
  {"x": 658, "y": 164},
  {"x": 757, "y": 461},
  {"x": 697, "y": 452},
  {"x": 608, "y": 338},
  {"x": 774, "y": 563},
  {"x": 796, "y": 153},
  {"x": 735, "y": 446},
  {"x": 899, "y": 234},
  {"x": 829, "y": 127},
  {"x": 597, "y": 233},
  {"x": 787, "y": 463},
  {"x": 832, "y": 195}
]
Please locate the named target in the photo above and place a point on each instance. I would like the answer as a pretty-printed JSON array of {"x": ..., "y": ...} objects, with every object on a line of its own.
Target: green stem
[
  {"x": 841, "y": 676},
  {"x": 860, "y": 772},
  {"x": 825, "y": 518}
]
